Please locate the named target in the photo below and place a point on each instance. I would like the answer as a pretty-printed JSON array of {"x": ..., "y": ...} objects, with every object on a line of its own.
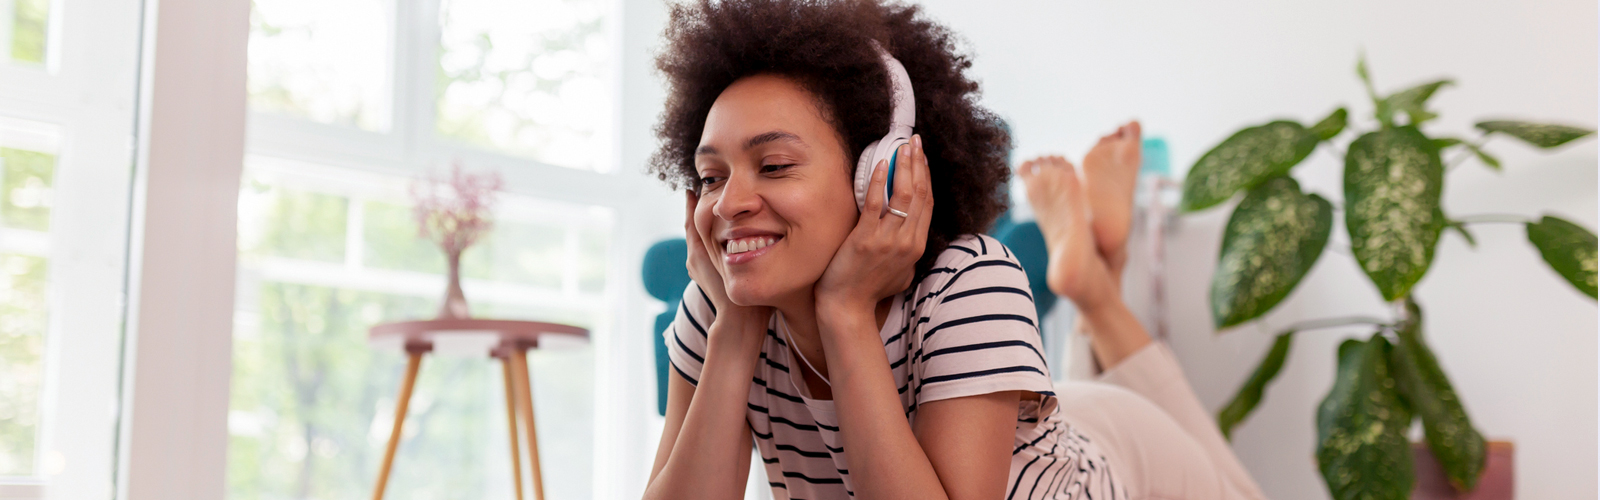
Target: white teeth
[{"x": 748, "y": 244}]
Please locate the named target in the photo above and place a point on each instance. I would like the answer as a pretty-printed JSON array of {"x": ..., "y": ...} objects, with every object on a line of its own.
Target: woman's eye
[
  {"x": 774, "y": 168},
  {"x": 707, "y": 181}
]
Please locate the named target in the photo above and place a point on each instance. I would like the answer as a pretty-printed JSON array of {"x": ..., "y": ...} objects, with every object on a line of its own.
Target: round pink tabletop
[{"x": 473, "y": 335}]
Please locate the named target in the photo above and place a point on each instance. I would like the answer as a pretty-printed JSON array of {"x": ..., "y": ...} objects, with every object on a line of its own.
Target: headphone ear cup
[{"x": 869, "y": 157}]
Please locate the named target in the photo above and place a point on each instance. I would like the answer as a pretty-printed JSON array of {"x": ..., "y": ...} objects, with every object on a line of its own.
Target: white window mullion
[{"x": 415, "y": 82}]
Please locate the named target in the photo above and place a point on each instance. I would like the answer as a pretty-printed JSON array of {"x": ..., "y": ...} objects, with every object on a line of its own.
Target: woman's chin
[{"x": 749, "y": 295}]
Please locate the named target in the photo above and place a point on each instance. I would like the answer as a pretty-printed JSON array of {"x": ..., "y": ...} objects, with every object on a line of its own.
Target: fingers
[
  {"x": 904, "y": 182},
  {"x": 689, "y": 232},
  {"x": 922, "y": 194},
  {"x": 873, "y": 208}
]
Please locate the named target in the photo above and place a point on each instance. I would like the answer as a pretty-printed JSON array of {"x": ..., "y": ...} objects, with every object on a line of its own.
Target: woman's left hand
[{"x": 879, "y": 257}]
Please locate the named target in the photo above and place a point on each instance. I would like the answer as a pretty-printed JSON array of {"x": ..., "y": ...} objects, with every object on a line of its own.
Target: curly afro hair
[{"x": 825, "y": 47}]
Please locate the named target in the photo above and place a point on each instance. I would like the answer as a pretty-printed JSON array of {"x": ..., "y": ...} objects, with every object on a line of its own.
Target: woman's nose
[{"x": 739, "y": 198}]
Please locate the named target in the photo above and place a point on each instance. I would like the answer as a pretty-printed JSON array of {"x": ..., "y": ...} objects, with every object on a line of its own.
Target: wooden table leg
[
  {"x": 413, "y": 363},
  {"x": 519, "y": 365},
  {"x": 511, "y": 415}
]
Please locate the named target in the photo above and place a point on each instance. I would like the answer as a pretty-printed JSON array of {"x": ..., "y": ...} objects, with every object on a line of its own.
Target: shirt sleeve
[
  {"x": 982, "y": 335},
  {"x": 686, "y": 337}
]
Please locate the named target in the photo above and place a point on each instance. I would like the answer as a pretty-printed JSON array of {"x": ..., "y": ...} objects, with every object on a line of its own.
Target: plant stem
[
  {"x": 1468, "y": 152},
  {"x": 1318, "y": 324},
  {"x": 1494, "y": 219}
]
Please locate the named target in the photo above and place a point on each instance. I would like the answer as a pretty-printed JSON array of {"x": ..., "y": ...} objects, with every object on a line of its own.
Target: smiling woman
[{"x": 868, "y": 347}]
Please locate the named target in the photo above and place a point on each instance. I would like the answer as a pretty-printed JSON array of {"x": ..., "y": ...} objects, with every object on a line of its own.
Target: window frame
[{"x": 86, "y": 91}]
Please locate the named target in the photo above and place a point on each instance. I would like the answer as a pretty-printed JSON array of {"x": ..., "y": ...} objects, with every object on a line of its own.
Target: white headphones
[{"x": 904, "y": 114}]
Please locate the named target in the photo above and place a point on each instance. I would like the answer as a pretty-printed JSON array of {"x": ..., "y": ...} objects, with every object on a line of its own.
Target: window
[
  {"x": 351, "y": 102},
  {"x": 527, "y": 78},
  {"x": 65, "y": 186},
  {"x": 325, "y": 256},
  {"x": 25, "y": 32},
  {"x": 328, "y": 62},
  {"x": 27, "y": 169}
]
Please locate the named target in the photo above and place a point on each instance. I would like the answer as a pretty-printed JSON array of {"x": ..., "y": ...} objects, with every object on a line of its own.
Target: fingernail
[{"x": 918, "y": 139}]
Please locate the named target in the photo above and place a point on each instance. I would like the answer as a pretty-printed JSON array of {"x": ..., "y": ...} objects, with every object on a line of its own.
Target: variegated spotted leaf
[
  {"x": 1543, "y": 135},
  {"x": 1250, "y": 393},
  {"x": 1273, "y": 237},
  {"x": 1331, "y": 126},
  {"x": 1392, "y": 184},
  {"x": 1458, "y": 446},
  {"x": 1244, "y": 160},
  {"x": 1568, "y": 248},
  {"x": 1362, "y": 447}
]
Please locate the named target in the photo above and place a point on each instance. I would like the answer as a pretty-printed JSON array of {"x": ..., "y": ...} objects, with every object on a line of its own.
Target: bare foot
[
  {"x": 1110, "y": 173},
  {"x": 1076, "y": 270}
]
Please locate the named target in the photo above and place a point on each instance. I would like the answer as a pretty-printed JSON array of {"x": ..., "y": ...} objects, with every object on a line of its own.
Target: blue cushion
[
  {"x": 665, "y": 277},
  {"x": 1027, "y": 245}
]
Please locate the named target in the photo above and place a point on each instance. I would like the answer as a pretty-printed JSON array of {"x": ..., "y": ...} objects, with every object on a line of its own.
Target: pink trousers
[{"x": 1160, "y": 441}]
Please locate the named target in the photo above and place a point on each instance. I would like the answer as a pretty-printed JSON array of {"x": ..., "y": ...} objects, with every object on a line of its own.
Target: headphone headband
[{"x": 903, "y": 116}]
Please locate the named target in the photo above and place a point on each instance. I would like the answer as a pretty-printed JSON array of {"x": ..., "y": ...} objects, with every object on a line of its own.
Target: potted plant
[
  {"x": 1393, "y": 183},
  {"x": 454, "y": 214}
]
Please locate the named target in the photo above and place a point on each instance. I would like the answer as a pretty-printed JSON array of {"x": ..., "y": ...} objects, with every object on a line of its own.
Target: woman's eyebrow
[
  {"x": 773, "y": 136},
  {"x": 757, "y": 140}
]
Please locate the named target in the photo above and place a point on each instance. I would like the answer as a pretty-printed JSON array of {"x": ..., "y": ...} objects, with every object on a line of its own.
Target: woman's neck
[{"x": 800, "y": 317}]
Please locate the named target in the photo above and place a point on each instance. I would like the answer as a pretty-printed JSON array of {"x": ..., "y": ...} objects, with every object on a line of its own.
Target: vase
[
  {"x": 455, "y": 302},
  {"x": 1495, "y": 483}
]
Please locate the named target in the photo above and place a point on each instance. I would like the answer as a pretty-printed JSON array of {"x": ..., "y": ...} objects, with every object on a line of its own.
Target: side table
[{"x": 508, "y": 341}]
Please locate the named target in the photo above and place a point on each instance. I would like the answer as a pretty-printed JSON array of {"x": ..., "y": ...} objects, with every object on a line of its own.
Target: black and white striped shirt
[{"x": 966, "y": 328}]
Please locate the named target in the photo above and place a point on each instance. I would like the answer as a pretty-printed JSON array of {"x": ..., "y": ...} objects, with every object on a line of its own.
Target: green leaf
[
  {"x": 1366, "y": 79},
  {"x": 1538, "y": 134},
  {"x": 1362, "y": 448},
  {"x": 1413, "y": 102},
  {"x": 1392, "y": 184},
  {"x": 1458, "y": 446},
  {"x": 1271, "y": 241},
  {"x": 1445, "y": 142},
  {"x": 1486, "y": 158},
  {"x": 1569, "y": 248},
  {"x": 1331, "y": 126},
  {"x": 1249, "y": 395},
  {"x": 1244, "y": 160}
]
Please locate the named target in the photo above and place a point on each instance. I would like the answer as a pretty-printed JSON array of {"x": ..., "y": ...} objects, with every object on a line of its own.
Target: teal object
[
  {"x": 1155, "y": 160},
  {"x": 1002, "y": 224},
  {"x": 665, "y": 278},
  {"x": 1027, "y": 245}
]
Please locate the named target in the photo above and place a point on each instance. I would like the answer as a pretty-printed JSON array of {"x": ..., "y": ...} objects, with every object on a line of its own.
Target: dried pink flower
[{"x": 456, "y": 217}]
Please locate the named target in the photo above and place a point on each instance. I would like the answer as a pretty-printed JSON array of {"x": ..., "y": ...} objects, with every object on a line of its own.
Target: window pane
[
  {"x": 26, "y": 181},
  {"x": 592, "y": 260},
  {"x": 313, "y": 401},
  {"x": 30, "y": 28},
  {"x": 23, "y": 322},
  {"x": 530, "y": 254},
  {"x": 303, "y": 225},
  {"x": 329, "y": 62},
  {"x": 527, "y": 77},
  {"x": 390, "y": 234},
  {"x": 25, "y": 194}
]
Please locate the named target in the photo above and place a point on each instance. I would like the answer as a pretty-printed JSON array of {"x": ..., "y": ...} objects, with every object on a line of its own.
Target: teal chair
[{"x": 665, "y": 278}]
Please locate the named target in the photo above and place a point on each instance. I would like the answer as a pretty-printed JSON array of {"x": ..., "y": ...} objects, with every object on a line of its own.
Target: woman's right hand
[{"x": 708, "y": 277}]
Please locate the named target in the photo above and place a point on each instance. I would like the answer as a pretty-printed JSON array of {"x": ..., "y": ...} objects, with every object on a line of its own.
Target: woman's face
[{"x": 776, "y": 200}]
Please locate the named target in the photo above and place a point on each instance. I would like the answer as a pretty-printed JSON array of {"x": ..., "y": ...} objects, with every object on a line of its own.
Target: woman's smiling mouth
[{"x": 742, "y": 250}]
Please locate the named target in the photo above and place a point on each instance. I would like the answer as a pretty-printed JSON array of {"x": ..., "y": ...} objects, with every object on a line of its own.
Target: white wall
[{"x": 1519, "y": 343}]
